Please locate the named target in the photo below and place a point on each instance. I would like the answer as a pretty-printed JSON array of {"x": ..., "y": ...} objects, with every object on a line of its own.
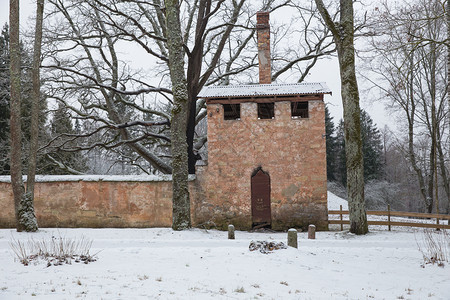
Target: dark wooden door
[{"x": 261, "y": 214}]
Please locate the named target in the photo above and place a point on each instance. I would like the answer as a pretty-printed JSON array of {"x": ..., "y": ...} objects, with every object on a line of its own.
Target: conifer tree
[
  {"x": 372, "y": 147},
  {"x": 64, "y": 162},
  {"x": 25, "y": 116},
  {"x": 331, "y": 146},
  {"x": 4, "y": 100}
]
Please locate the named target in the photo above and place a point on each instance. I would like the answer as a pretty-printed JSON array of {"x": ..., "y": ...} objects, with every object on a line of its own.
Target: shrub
[
  {"x": 435, "y": 247},
  {"x": 55, "y": 251}
]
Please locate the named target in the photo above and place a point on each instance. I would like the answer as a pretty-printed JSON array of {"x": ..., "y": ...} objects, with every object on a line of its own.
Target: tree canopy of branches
[
  {"x": 408, "y": 67},
  {"x": 90, "y": 74}
]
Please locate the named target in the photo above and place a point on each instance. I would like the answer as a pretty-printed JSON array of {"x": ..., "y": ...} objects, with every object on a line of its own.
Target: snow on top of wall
[
  {"x": 334, "y": 202},
  {"x": 253, "y": 90},
  {"x": 131, "y": 178}
]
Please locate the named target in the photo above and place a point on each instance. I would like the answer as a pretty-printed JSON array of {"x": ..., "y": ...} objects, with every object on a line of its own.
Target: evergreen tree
[
  {"x": 330, "y": 146},
  {"x": 341, "y": 165},
  {"x": 26, "y": 90},
  {"x": 4, "y": 100},
  {"x": 372, "y": 150},
  {"x": 64, "y": 162}
]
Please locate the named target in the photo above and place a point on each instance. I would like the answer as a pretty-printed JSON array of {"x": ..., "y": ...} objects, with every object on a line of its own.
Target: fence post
[
  {"x": 389, "y": 217},
  {"x": 437, "y": 223},
  {"x": 342, "y": 225}
]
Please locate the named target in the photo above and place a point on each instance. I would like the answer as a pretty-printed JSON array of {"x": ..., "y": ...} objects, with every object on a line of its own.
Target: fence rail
[{"x": 389, "y": 214}]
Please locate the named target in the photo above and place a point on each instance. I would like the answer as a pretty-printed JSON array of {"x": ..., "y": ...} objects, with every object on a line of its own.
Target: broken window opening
[
  {"x": 266, "y": 110},
  {"x": 299, "y": 110},
  {"x": 232, "y": 111}
]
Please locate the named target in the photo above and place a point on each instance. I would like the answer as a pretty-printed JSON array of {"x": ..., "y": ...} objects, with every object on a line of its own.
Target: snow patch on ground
[
  {"x": 334, "y": 202},
  {"x": 159, "y": 263}
]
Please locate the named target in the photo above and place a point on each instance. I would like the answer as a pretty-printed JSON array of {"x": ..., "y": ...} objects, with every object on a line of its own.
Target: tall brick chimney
[{"x": 263, "y": 30}]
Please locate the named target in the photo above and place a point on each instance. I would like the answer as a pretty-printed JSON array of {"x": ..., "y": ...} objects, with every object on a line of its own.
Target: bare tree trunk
[
  {"x": 24, "y": 211},
  {"x": 448, "y": 86},
  {"x": 443, "y": 168},
  {"x": 180, "y": 199},
  {"x": 411, "y": 113},
  {"x": 32, "y": 159},
  {"x": 432, "y": 180},
  {"x": 343, "y": 37}
]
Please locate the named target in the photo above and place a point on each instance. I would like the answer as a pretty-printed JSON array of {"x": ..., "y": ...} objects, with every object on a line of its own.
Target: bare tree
[
  {"x": 448, "y": 77},
  {"x": 218, "y": 37},
  {"x": 180, "y": 199},
  {"x": 408, "y": 66},
  {"x": 24, "y": 210},
  {"x": 343, "y": 33},
  {"x": 35, "y": 107},
  {"x": 104, "y": 98}
]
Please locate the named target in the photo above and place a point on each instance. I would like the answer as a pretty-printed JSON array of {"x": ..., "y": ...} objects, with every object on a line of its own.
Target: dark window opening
[
  {"x": 299, "y": 110},
  {"x": 266, "y": 110},
  {"x": 232, "y": 111}
]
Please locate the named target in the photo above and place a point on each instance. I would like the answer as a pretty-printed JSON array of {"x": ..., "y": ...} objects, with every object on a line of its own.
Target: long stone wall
[{"x": 96, "y": 201}]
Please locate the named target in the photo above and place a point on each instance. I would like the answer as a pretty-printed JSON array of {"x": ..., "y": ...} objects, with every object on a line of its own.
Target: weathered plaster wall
[
  {"x": 292, "y": 151},
  {"x": 70, "y": 201}
]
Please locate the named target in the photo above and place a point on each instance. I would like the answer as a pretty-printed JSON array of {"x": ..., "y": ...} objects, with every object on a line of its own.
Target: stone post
[
  {"x": 292, "y": 238},
  {"x": 311, "y": 232},
  {"x": 231, "y": 232}
]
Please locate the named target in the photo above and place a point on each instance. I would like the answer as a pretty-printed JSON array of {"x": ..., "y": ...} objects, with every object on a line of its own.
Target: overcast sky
[{"x": 327, "y": 70}]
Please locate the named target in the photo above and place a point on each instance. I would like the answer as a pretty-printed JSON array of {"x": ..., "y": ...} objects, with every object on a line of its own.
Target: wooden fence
[{"x": 389, "y": 222}]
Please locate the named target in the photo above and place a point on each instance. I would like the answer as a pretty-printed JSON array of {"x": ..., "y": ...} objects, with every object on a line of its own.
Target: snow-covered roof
[
  {"x": 126, "y": 178},
  {"x": 264, "y": 90}
]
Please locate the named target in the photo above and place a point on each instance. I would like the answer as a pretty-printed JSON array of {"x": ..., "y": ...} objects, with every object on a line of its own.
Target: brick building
[{"x": 266, "y": 152}]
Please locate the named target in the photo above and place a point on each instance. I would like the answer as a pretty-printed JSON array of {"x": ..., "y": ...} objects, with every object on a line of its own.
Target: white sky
[{"x": 326, "y": 70}]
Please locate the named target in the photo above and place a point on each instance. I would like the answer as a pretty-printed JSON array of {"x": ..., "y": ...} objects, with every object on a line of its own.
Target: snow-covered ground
[{"x": 159, "y": 263}]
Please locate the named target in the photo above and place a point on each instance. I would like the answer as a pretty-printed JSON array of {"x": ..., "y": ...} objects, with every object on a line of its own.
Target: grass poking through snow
[{"x": 55, "y": 251}]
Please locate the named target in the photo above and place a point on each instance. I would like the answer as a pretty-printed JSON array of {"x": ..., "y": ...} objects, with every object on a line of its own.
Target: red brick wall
[{"x": 292, "y": 151}]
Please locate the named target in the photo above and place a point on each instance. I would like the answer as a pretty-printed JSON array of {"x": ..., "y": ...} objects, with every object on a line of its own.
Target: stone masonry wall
[
  {"x": 292, "y": 151},
  {"x": 66, "y": 201}
]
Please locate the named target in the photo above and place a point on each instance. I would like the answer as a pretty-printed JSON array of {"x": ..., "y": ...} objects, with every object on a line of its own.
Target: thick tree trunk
[
  {"x": 24, "y": 211},
  {"x": 352, "y": 127},
  {"x": 32, "y": 159},
  {"x": 343, "y": 37},
  {"x": 180, "y": 199}
]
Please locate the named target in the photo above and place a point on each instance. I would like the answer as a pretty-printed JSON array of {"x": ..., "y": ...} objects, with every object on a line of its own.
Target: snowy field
[{"x": 159, "y": 263}]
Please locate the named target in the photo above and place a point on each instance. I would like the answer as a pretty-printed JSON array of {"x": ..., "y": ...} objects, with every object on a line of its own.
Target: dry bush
[
  {"x": 435, "y": 247},
  {"x": 55, "y": 251}
]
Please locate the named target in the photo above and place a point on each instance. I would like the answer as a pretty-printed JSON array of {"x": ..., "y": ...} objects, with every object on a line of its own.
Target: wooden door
[{"x": 261, "y": 214}]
